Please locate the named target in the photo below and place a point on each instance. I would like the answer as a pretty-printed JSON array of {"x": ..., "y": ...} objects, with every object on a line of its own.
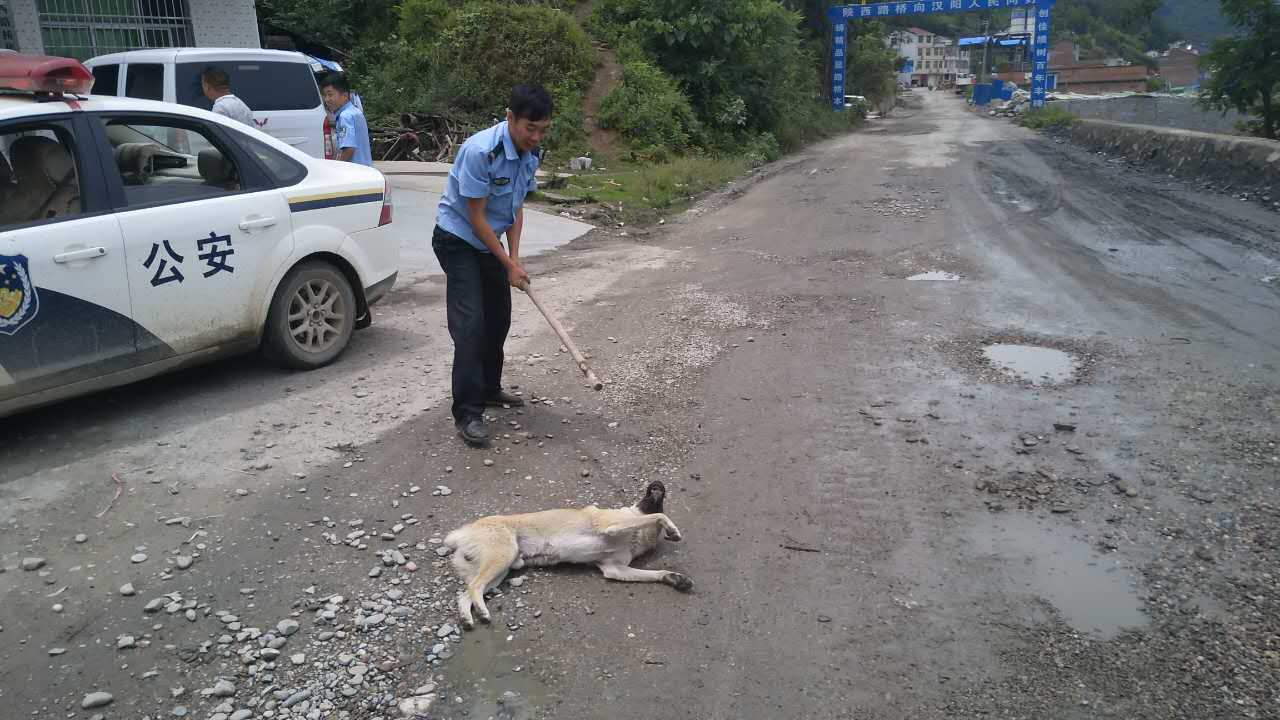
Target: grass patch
[
  {"x": 647, "y": 191},
  {"x": 1048, "y": 118}
]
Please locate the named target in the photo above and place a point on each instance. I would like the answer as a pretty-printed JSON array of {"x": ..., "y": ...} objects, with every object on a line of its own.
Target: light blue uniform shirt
[
  {"x": 488, "y": 166},
  {"x": 352, "y": 131}
]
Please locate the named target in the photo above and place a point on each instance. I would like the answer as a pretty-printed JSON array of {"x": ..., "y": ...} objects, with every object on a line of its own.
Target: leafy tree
[
  {"x": 742, "y": 63},
  {"x": 339, "y": 25},
  {"x": 1246, "y": 68}
]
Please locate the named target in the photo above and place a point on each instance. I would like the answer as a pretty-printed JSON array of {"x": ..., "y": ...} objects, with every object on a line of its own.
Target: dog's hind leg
[
  {"x": 626, "y": 573},
  {"x": 500, "y": 551}
]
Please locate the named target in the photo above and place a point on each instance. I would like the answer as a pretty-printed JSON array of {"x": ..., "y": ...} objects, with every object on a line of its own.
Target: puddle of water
[
  {"x": 1090, "y": 592},
  {"x": 936, "y": 276},
  {"x": 1036, "y": 365},
  {"x": 484, "y": 671}
]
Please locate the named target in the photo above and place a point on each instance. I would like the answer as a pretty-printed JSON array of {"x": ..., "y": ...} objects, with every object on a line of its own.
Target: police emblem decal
[{"x": 19, "y": 301}]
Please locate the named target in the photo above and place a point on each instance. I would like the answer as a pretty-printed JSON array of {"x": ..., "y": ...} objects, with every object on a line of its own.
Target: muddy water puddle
[
  {"x": 935, "y": 276},
  {"x": 1036, "y": 365},
  {"x": 1089, "y": 591},
  {"x": 492, "y": 677}
]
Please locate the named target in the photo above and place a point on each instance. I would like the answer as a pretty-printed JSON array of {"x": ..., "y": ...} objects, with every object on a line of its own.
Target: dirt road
[{"x": 881, "y": 519}]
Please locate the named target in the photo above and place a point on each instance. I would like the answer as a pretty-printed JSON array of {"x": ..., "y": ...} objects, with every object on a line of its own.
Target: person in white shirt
[{"x": 217, "y": 87}]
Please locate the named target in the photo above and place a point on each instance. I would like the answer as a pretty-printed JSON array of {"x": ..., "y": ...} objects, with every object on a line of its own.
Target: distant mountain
[{"x": 1196, "y": 20}]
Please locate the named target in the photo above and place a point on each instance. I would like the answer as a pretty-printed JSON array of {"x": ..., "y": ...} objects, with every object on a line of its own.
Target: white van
[{"x": 279, "y": 87}]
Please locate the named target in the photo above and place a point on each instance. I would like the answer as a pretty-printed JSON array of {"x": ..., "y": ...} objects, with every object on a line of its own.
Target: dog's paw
[
  {"x": 680, "y": 581},
  {"x": 673, "y": 534}
]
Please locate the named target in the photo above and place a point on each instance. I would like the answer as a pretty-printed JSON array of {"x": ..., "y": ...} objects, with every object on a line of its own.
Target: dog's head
[{"x": 653, "y": 496}]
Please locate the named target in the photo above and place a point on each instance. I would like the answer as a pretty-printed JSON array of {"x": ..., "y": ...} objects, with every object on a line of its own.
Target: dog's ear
[{"x": 653, "y": 496}]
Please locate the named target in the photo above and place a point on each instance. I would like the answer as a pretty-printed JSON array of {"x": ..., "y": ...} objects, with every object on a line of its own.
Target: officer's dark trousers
[{"x": 478, "y": 298}]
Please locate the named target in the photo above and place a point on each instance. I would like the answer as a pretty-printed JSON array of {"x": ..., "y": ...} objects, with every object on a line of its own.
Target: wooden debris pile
[{"x": 419, "y": 136}]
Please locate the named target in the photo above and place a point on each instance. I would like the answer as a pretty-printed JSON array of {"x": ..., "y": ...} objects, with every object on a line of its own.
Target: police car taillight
[
  {"x": 44, "y": 74},
  {"x": 385, "y": 217},
  {"x": 327, "y": 131}
]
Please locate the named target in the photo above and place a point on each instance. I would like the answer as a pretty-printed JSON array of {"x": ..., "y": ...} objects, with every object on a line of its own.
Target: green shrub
[
  {"x": 487, "y": 47},
  {"x": 761, "y": 149},
  {"x": 649, "y": 110},
  {"x": 1048, "y": 117}
]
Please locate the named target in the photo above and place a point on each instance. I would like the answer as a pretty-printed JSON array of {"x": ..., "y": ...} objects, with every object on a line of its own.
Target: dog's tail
[{"x": 455, "y": 538}]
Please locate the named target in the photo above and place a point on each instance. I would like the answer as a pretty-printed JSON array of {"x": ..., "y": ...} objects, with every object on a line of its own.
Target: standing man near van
[
  {"x": 351, "y": 131},
  {"x": 217, "y": 87},
  {"x": 484, "y": 199}
]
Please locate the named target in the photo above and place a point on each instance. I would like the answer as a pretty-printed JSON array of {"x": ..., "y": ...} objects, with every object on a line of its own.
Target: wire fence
[
  {"x": 7, "y": 39},
  {"x": 85, "y": 28}
]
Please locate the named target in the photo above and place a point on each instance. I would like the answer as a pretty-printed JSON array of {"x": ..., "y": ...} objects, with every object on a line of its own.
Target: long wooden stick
[{"x": 564, "y": 338}]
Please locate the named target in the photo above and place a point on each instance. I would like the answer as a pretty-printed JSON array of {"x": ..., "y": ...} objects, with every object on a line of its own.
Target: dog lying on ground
[{"x": 485, "y": 550}]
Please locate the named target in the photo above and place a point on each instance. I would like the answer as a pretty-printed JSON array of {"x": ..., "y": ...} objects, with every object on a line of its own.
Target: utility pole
[{"x": 986, "y": 49}]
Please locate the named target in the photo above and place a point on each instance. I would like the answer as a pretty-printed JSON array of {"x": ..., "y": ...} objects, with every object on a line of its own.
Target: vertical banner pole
[
  {"x": 1040, "y": 56},
  {"x": 838, "y": 45}
]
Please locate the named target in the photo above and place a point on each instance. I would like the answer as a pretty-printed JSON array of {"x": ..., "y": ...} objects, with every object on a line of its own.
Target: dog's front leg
[
  {"x": 626, "y": 573},
  {"x": 643, "y": 521}
]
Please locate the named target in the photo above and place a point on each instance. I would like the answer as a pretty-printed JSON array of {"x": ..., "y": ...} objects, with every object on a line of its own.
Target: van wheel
[{"x": 312, "y": 317}]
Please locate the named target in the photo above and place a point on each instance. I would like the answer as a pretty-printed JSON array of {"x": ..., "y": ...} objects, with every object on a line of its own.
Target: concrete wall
[
  {"x": 1239, "y": 163},
  {"x": 26, "y": 26},
  {"x": 225, "y": 23},
  {"x": 1161, "y": 111}
]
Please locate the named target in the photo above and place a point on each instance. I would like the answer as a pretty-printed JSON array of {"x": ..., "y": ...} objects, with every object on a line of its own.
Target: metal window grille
[
  {"x": 7, "y": 40},
  {"x": 85, "y": 28}
]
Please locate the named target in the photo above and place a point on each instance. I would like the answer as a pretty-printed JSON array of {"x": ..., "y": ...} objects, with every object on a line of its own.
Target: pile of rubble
[{"x": 1018, "y": 104}]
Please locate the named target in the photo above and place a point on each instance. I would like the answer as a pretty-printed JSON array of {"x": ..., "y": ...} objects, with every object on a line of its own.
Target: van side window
[
  {"x": 164, "y": 160},
  {"x": 39, "y": 180},
  {"x": 106, "y": 79},
  {"x": 144, "y": 81}
]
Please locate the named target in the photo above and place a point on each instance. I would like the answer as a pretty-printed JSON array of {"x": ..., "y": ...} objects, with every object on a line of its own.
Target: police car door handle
[
  {"x": 85, "y": 254},
  {"x": 256, "y": 223}
]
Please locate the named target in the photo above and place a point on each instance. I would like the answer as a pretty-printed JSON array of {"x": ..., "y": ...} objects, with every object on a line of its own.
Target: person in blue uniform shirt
[
  {"x": 351, "y": 131},
  {"x": 484, "y": 201}
]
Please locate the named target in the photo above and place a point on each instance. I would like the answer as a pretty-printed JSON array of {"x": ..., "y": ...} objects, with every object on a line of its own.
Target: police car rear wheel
[{"x": 312, "y": 317}]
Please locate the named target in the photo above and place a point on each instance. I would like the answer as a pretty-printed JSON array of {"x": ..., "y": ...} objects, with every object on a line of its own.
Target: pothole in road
[
  {"x": 935, "y": 276},
  {"x": 502, "y": 686},
  {"x": 1090, "y": 593},
  {"x": 1036, "y": 365}
]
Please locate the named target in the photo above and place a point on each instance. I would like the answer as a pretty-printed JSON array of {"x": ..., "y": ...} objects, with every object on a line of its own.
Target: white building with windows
[
  {"x": 87, "y": 28},
  {"x": 932, "y": 59}
]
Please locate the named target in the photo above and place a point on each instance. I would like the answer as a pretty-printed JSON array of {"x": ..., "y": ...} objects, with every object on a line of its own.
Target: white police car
[{"x": 137, "y": 237}]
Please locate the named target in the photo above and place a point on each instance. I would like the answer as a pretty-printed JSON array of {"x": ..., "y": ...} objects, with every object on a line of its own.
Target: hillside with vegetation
[
  {"x": 740, "y": 77},
  {"x": 1197, "y": 21}
]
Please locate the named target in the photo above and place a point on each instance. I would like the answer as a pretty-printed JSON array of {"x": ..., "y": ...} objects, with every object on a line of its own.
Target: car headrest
[
  {"x": 58, "y": 163},
  {"x": 135, "y": 158},
  {"x": 214, "y": 168},
  {"x": 31, "y": 154},
  {"x": 6, "y": 172}
]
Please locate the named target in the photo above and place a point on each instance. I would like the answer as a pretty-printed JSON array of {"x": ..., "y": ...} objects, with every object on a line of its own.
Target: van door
[{"x": 283, "y": 96}]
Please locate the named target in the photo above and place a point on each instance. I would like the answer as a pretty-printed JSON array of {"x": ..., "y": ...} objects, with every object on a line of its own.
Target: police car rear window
[
  {"x": 283, "y": 169},
  {"x": 263, "y": 86}
]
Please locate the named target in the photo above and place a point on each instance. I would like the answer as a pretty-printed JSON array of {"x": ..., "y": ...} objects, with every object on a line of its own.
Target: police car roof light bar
[{"x": 44, "y": 74}]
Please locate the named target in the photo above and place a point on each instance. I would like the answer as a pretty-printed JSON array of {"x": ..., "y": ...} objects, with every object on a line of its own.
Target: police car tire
[{"x": 278, "y": 343}]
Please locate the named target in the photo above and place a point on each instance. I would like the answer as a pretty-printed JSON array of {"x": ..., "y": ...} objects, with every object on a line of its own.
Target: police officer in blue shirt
[
  {"x": 484, "y": 200},
  {"x": 350, "y": 128}
]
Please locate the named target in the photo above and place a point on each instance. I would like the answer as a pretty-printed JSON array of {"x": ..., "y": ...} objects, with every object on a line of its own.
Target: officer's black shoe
[
  {"x": 474, "y": 432},
  {"x": 505, "y": 398}
]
